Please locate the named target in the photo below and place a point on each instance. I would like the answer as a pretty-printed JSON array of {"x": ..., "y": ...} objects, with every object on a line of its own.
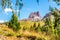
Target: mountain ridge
[{"x": 35, "y": 16}]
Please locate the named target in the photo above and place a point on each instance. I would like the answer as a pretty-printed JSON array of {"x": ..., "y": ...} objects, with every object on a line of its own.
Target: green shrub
[
  {"x": 34, "y": 26},
  {"x": 24, "y": 28},
  {"x": 13, "y": 23},
  {"x": 40, "y": 39},
  {"x": 32, "y": 37},
  {"x": 9, "y": 34}
]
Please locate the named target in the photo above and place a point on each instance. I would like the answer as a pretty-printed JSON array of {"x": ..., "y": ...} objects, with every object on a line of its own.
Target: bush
[
  {"x": 32, "y": 37},
  {"x": 44, "y": 29},
  {"x": 40, "y": 39},
  {"x": 13, "y": 23},
  {"x": 9, "y": 34},
  {"x": 34, "y": 26},
  {"x": 24, "y": 28},
  {"x": 38, "y": 28}
]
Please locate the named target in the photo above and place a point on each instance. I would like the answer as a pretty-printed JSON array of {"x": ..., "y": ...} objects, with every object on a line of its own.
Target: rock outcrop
[
  {"x": 48, "y": 15},
  {"x": 34, "y": 16}
]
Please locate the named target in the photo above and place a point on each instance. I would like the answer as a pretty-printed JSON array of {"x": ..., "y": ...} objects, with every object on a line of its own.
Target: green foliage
[
  {"x": 9, "y": 34},
  {"x": 13, "y": 23},
  {"x": 49, "y": 24},
  {"x": 57, "y": 31},
  {"x": 18, "y": 36},
  {"x": 31, "y": 28},
  {"x": 38, "y": 28},
  {"x": 32, "y": 37},
  {"x": 8, "y": 3},
  {"x": 54, "y": 26},
  {"x": 38, "y": 24},
  {"x": 34, "y": 26},
  {"x": 56, "y": 14},
  {"x": 44, "y": 29},
  {"x": 41, "y": 39},
  {"x": 24, "y": 28},
  {"x": 56, "y": 1}
]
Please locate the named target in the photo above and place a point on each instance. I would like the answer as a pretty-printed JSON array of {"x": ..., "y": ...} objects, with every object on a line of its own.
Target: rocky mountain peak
[{"x": 34, "y": 14}]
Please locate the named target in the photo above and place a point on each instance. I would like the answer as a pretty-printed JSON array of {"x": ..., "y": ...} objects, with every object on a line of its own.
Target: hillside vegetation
[
  {"x": 49, "y": 29},
  {"x": 46, "y": 29},
  {"x": 25, "y": 30},
  {"x": 29, "y": 24}
]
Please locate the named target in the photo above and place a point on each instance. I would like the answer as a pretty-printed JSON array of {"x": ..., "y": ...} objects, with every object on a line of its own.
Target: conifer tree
[{"x": 13, "y": 23}]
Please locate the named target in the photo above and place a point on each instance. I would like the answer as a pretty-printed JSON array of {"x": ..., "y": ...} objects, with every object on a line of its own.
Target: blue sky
[
  {"x": 28, "y": 7},
  {"x": 32, "y": 6}
]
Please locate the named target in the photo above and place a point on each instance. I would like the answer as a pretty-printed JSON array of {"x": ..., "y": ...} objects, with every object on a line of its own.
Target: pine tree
[{"x": 13, "y": 23}]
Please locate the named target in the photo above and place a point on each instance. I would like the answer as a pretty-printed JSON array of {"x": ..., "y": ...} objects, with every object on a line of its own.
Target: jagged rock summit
[{"x": 34, "y": 16}]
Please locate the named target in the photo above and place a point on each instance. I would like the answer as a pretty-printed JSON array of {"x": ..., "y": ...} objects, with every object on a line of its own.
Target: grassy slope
[
  {"x": 24, "y": 33},
  {"x": 30, "y": 23}
]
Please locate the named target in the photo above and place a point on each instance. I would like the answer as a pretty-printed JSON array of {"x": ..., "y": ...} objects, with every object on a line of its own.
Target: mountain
[
  {"x": 34, "y": 16},
  {"x": 48, "y": 15}
]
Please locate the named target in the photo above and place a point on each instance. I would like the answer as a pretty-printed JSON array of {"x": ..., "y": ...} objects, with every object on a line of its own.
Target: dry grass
[{"x": 4, "y": 30}]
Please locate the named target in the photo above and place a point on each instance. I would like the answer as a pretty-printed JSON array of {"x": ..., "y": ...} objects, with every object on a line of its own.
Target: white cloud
[
  {"x": 2, "y": 21},
  {"x": 17, "y": 10},
  {"x": 8, "y": 10}
]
